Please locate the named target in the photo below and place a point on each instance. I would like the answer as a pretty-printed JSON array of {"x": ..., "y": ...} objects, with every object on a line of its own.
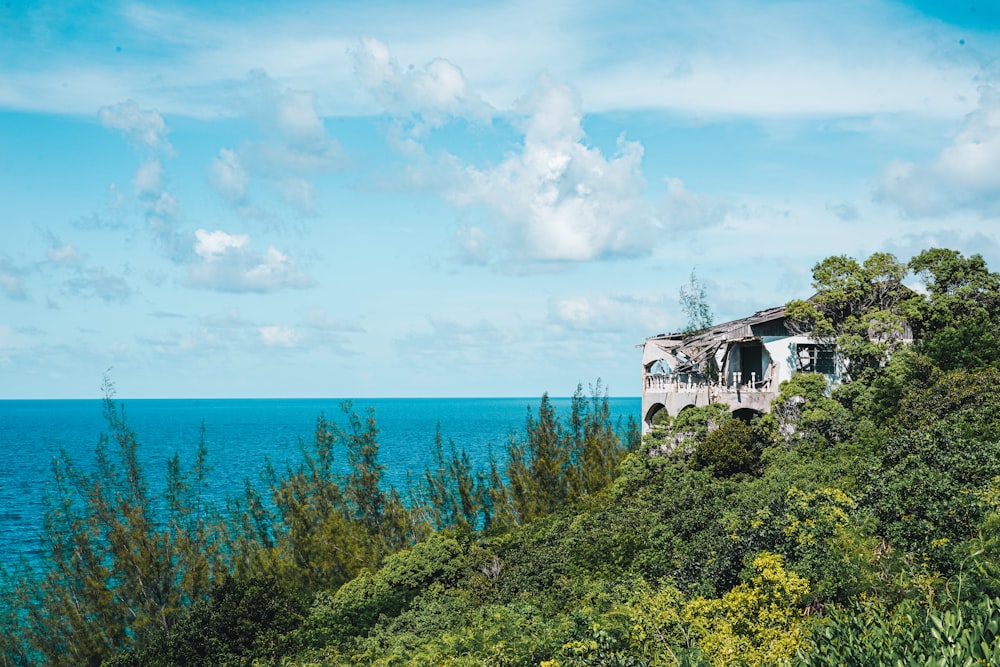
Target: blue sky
[{"x": 359, "y": 199}]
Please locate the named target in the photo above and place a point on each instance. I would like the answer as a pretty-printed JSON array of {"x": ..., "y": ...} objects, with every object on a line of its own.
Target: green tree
[
  {"x": 555, "y": 462},
  {"x": 595, "y": 445},
  {"x": 757, "y": 622},
  {"x": 453, "y": 495},
  {"x": 121, "y": 564},
  {"x": 682, "y": 434},
  {"x": 863, "y": 307},
  {"x": 943, "y": 450},
  {"x": 958, "y": 324},
  {"x": 317, "y": 542},
  {"x": 732, "y": 448},
  {"x": 803, "y": 413},
  {"x": 240, "y": 623},
  {"x": 694, "y": 304},
  {"x": 536, "y": 466}
]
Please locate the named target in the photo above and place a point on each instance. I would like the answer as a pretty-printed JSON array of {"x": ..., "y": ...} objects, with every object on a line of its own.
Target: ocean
[{"x": 241, "y": 435}]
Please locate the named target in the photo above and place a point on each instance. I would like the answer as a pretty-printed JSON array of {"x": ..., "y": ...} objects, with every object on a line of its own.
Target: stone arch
[
  {"x": 747, "y": 414},
  {"x": 656, "y": 411}
]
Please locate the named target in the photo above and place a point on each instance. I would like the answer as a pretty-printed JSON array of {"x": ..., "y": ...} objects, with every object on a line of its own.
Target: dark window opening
[
  {"x": 817, "y": 359},
  {"x": 752, "y": 361}
]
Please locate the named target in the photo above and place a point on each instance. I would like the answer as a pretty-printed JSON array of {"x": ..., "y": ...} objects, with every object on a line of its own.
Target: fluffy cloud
[
  {"x": 964, "y": 175},
  {"x": 279, "y": 336},
  {"x": 559, "y": 199},
  {"x": 161, "y": 220},
  {"x": 294, "y": 145},
  {"x": 227, "y": 263},
  {"x": 612, "y": 314},
  {"x": 294, "y": 136},
  {"x": 214, "y": 244},
  {"x": 145, "y": 129},
  {"x": 434, "y": 92},
  {"x": 148, "y": 179},
  {"x": 228, "y": 176},
  {"x": 62, "y": 254}
]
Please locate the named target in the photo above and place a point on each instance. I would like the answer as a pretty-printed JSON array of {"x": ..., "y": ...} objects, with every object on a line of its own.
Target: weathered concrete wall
[
  {"x": 673, "y": 399},
  {"x": 734, "y": 348}
]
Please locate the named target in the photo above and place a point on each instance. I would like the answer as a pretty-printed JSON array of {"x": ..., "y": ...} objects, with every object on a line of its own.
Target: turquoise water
[{"x": 241, "y": 434}]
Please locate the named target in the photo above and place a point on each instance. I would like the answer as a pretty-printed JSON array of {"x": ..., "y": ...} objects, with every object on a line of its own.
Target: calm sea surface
[{"x": 241, "y": 434}]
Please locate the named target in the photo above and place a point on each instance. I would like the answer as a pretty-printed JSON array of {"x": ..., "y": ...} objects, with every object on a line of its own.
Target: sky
[{"x": 459, "y": 199}]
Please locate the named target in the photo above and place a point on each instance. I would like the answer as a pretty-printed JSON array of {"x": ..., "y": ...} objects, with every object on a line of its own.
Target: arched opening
[
  {"x": 656, "y": 414},
  {"x": 747, "y": 414}
]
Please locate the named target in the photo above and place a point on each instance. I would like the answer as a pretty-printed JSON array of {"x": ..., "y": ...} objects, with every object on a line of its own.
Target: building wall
[{"x": 778, "y": 363}]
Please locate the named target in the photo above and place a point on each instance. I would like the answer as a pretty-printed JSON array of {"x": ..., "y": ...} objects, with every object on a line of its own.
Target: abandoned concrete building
[{"x": 739, "y": 363}]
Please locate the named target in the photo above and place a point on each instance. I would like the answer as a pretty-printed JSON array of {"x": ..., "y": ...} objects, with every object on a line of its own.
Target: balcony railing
[{"x": 682, "y": 382}]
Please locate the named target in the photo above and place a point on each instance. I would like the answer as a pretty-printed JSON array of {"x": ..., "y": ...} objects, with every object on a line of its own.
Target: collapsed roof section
[{"x": 691, "y": 353}]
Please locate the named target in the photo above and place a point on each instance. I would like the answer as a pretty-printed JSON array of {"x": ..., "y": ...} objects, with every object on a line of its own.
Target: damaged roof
[{"x": 693, "y": 349}]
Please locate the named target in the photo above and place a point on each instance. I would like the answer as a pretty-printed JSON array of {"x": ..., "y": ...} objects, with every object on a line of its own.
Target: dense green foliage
[{"x": 854, "y": 525}]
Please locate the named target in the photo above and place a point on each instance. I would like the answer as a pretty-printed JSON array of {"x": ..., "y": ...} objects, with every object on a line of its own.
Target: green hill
[{"x": 852, "y": 525}]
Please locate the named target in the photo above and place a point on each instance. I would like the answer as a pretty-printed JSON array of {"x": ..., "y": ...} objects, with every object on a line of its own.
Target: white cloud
[
  {"x": 146, "y": 130},
  {"x": 63, "y": 254},
  {"x": 227, "y": 263},
  {"x": 296, "y": 118},
  {"x": 559, "y": 199},
  {"x": 12, "y": 279},
  {"x": 279, "y": 336},
  {"x": 228, "y": 176},
  {"x": 611, "y": 314},
  {"x": 143, "y": 128},
  {"x": 435, "y": 92},
  {"x": 964, "y": 238},
  {"x": 295, "y": 137},
  {"x": 964, "y": 175},
  {"x": 294, "y": 146},
  {"x": 214, "y": 244},
  {"x": 718, "y": 56},
  {"x": 148, "y": 179},
  {"x": 161, "y": 220}
]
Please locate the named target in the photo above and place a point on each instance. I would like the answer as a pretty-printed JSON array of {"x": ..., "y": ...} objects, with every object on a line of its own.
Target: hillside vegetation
[{"x": 852, "y": 526}]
